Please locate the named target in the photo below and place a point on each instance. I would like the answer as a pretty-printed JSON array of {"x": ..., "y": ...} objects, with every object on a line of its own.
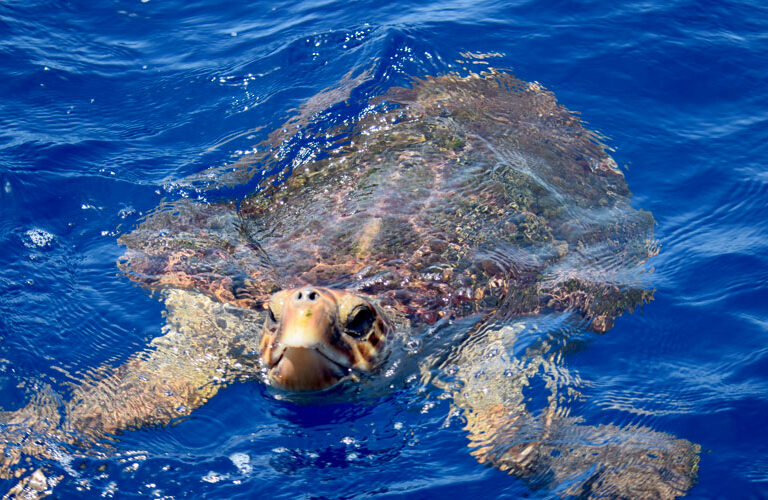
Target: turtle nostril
[{"x": 307, "y": 295}]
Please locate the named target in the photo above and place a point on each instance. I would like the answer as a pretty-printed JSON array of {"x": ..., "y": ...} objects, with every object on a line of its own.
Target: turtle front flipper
[
  {"x": 206, "y": 345},
  {"x": 29, "y": 432},
  {"x": 31, "y": 487},
  {"x": 571, "y": 459},
  {"x": 498, "y": 387}
]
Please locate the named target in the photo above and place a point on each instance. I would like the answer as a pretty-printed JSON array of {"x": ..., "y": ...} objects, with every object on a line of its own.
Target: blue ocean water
[{"x": 104, "y": 108}]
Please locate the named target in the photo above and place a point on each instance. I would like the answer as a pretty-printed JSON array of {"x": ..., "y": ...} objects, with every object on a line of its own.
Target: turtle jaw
[{"x": 303, "y": 369}]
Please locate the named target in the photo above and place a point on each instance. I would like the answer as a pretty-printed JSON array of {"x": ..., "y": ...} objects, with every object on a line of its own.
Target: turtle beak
[{"x": 305, "y": 354}]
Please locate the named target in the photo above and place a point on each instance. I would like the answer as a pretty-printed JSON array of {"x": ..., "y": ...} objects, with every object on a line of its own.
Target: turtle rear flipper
[{"x": 583, "y": 461}]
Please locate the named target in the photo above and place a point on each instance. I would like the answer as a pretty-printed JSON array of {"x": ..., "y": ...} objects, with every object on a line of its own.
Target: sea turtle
[{"x": 461, "y": 199}]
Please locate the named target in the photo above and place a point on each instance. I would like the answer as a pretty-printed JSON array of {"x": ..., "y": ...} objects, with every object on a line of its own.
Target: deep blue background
[{"x": 103, "y": 108}]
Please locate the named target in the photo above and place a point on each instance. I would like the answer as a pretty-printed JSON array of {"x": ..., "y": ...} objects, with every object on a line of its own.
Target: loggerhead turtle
[{"x": 475, "y": 199}]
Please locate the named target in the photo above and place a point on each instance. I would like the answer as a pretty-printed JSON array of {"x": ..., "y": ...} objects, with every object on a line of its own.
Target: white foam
[
  {"x": 214, "y": 477},
  {"x": 242, "y": 461},
  {"x": 38, "y": 238}
]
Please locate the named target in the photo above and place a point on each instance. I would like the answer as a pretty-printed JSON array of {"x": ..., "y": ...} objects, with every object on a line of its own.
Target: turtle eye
[{"x": 360, "y": 321}]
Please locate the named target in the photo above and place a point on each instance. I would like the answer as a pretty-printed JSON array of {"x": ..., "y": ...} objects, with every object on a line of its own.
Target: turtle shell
[{"x": 455, "y": 196}]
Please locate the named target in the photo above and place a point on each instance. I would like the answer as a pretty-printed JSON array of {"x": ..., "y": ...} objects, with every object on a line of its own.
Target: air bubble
[
  {"x": 38, "y": 238},
  {"x": 126, "y": 212},
  {"x": 413, "y": 346}
]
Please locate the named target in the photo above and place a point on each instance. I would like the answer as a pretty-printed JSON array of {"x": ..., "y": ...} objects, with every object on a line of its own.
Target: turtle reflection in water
[{"x": 476, "y": 199}]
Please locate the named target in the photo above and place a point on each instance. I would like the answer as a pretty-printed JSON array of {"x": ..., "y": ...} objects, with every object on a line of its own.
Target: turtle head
[{"x": 315, "y": 337}]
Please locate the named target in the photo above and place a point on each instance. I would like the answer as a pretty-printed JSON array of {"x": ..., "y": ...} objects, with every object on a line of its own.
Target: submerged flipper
[
  {"x": 200, "y": 352},
  {"x": 571, "y": 459},
  {"x": 545, "y": 446},
  {"x": 206, "y": 346}
]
